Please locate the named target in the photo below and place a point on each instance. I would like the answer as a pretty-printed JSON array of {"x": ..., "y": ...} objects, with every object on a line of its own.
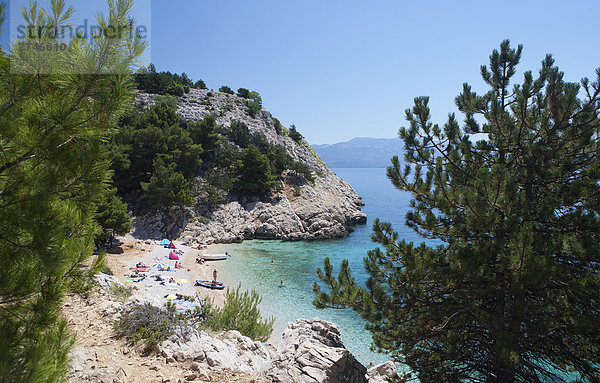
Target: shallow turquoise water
[{"x": 263, "y": 264}]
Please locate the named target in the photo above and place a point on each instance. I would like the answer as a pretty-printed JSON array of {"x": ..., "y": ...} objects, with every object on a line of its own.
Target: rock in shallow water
[{"x": 312, "y": 351}]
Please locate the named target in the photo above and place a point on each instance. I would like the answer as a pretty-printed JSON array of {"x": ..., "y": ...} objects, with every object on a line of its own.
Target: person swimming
[{"x": 281, "y": 284}]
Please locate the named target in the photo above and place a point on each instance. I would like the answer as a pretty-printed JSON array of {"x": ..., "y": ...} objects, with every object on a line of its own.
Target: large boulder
[
  {"x": 384, "y": 373},
  {"x": 231, "y": 351},
  {"x": 312, "y": 351}
]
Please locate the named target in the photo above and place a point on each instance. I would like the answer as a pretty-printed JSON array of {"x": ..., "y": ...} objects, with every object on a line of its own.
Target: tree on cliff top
[
  {"x": 512, "y": 295},
  {"x": 53, "y": 169}
]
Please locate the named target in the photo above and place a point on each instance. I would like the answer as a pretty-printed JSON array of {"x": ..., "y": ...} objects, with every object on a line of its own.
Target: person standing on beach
[{"x": 215, "y": 275}]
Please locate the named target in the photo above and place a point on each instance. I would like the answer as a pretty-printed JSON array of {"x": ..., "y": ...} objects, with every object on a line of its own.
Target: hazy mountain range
[{"x": 360, "y": 152}]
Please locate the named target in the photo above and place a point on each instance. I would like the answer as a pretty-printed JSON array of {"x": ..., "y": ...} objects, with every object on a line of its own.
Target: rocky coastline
[
  {"x": 327, "y": 208},
  {"x": 310, "y": 351}
]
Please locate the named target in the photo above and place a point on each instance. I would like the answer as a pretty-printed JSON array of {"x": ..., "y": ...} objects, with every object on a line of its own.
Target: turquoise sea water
[{"x": 263, "y": 264}]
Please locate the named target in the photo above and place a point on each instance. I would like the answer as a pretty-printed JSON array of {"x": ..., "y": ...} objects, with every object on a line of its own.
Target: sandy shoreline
[{"x": 149, "y": 254}]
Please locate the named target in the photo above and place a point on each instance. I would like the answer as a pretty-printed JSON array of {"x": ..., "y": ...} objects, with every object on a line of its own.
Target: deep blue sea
[{"x": 263, "y": 264}]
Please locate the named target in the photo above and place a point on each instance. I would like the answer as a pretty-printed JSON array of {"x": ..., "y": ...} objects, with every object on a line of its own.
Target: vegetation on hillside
[
  {"x": 295, "y": 135},
  {"x": 149, "y": 80},
  {"x": 226, "y": 89},
  {"x": 512, "y": 294},
  {"x": 54, "y": 182},
  {"x": 156, "y": 157}
]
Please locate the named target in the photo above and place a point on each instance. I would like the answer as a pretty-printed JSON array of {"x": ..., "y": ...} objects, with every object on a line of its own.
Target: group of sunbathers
[{"x": 162, "y": 280}]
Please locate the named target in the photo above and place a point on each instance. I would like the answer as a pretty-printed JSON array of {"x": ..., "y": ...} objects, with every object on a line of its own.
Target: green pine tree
[
  {"x": 254, "y": 172},
  {"x": 512, "y": 294},
  {"x": 111, "y": 215},
  {"x": 167, "y": 186},
  {"x": 143, "y": 137},
  {"x": 205, "y": 132},
  {"x": 53, "y": 123}
]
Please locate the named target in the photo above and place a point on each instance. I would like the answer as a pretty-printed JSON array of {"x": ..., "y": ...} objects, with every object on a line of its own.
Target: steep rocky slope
[{"x": 326, "y": 209}]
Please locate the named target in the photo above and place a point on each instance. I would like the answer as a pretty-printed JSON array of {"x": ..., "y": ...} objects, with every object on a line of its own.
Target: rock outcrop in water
[
  {"x": 312, "y": 351},
  {"x": 329, "y": 208}
]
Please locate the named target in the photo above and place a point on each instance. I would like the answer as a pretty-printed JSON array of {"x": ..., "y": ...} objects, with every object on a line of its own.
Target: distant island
[{"x": 360, "y": 152}]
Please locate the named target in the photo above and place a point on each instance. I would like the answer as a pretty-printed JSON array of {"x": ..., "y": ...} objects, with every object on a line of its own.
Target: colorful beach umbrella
[
  {"x": 160, "y": 265},
  {"x": 170, "y": 297},
  {"x": 165, "y": 242},
  {"x": 182, "y": 281}
]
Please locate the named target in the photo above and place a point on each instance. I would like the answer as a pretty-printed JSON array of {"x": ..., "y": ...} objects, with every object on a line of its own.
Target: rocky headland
[{"x": 327, "y": 208}]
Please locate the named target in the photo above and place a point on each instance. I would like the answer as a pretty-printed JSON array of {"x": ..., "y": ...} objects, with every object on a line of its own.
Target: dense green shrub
[
  {"x": 302, "y": 169},
  {"x": 251, "y": 95},
  {"x": 167, "y": 99},
  {"x": 143, "y": 137},
  {"x": 255, "y": 96},
  {"x": 149, "y": 80},
  {"x": 254, "y": 172},
  {"x": 239, "y": 133},
  {"x": 241, "y": 313},
  {"x": 205, "y": 132},
  {"x": 259, "y": 140},
  {"x": 111, "y": 214},
  {"x": 253, "y": 107},
  {"x": 279, "y": 159},
  {"x": 227, "y": 156},
  {"x": 243, "y": 92},
  {"x": 277, "y": 125},
  {"x": 200, "y": 84},
  {"x": 167, "y": 186},
  {"x": 295, "y": 135},
  {"x": 147, "y": 323},
  {"x": 176, "y": 89},
  {"x": 226, "y": 89}
]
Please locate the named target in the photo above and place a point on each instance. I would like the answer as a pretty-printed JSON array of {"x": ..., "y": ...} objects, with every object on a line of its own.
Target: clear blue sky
[{"x": 342, "y": 69}]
